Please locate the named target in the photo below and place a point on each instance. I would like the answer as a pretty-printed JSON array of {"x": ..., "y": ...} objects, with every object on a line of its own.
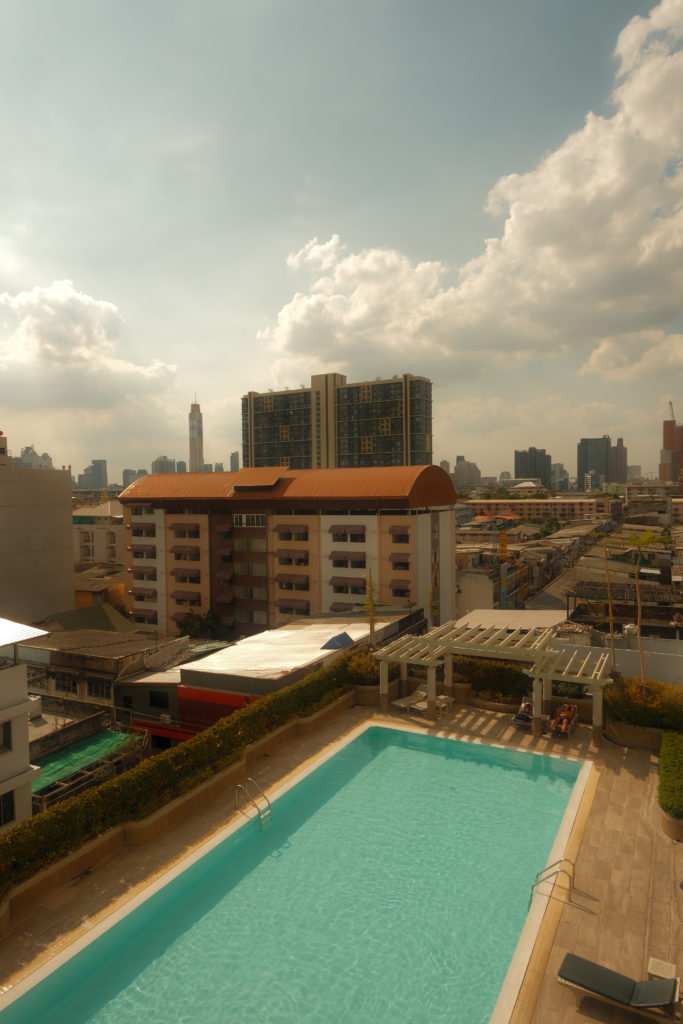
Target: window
[
  {"x": 7, "y": 807},
  {"x": 357, "y": 564},
  {"x": 5, "y": 737},
  {"x": 159, "y": 699},
  {"x": 357, "y": 538},
  {"x": 366, "y": 445},
  {"x": 66, "y": 683},
  {"x": 403, "y": 566},
  {"x": 99, "y": 688},
  {"x": 404, "y": 592},
  {"x": 385, "y": 426},
  {"x": 242, "y": 519},
  {"x": 401, "y": 538},
  {"x": 284, "y": 433}
]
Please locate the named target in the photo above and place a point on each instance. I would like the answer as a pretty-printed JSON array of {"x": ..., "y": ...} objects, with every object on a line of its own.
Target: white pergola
[{"x": 535, "y": 646}]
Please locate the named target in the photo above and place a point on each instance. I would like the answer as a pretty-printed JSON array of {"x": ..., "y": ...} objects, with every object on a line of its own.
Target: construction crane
[{"x": 671, "y": 411}]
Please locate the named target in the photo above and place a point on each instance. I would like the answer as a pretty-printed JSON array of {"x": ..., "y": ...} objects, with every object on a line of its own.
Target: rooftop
[{"x": 414, "y": 486}]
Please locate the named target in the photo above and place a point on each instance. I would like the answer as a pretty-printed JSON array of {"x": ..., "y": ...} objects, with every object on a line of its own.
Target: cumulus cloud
[
  {"x": 589, "y": 259},
  {"x": 631, "y": 357},
  {"x": 59, "y": 349}
]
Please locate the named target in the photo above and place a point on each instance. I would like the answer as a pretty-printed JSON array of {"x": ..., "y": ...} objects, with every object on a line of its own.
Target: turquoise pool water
[{"x": 391, "y": 886}]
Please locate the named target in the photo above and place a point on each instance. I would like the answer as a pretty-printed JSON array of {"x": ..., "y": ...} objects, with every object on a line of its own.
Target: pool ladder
[
  {"x": 264, "y": 813},
  {"x": 551, "y": 871}
]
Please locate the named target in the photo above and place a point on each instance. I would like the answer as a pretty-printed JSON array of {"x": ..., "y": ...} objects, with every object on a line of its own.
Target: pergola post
[
  {"x": 547, "y": 695},
  {"x": 384, "y": 686},
  {"x": 598, "y": 714},
  {"x": 403, "y": 669},
  {"x": 431, "y": 690},
  {"x": 448, "y": 674},
  {"x": 537, "y": 722}
]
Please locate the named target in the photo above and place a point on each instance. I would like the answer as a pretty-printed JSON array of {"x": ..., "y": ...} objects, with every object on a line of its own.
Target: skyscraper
[
  {"x": 671, "y": 456},
  {"x": 592, "y": 456},
  {"x": 234, "y": 461},
  {"x": 335, "y": 424},
  {"x": 196, "y": 439},
  {"x": 618, "y": 463},
  {"x": 534, "y": 463}
]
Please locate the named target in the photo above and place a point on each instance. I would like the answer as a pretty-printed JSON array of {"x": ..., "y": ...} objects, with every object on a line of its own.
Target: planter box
[
  {"x": 462, "y": 693},
  {"x": 368, "y": 696},
  {"x": 490, "y": 705},
  {"x": 672, "y": 827},
  {"x": 638, "y": 736}
]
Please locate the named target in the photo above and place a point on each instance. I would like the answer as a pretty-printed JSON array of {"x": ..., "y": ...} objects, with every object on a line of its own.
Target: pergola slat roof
[{"x": 536, "y": 646}]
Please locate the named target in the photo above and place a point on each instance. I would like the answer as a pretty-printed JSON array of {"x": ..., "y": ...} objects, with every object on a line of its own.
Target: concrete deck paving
[{"x": 627, "y": 905}]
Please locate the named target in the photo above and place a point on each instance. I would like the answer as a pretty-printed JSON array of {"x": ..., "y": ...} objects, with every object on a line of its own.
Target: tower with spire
[{"x": 196, "y": 438}]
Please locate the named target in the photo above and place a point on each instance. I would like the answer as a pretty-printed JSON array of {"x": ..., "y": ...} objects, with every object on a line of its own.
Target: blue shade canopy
[{"x": 335, "y": 643}]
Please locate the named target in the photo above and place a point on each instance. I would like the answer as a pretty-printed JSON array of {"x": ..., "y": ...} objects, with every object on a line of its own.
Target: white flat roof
[
  {"x": 14, "y": 632},
  {"x": 513, "y": 618},
  {"x": 277, "y": 652}
]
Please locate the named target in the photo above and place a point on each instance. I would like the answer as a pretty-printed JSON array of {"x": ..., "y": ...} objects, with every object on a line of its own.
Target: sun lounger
[
  {"x": 563, "y": 720},
  {"x": 656, "y": 999},
  {"x": 525, "y": 716},
  {"x": 403, "y": 703},
  {"x": 443, "y": 701}
]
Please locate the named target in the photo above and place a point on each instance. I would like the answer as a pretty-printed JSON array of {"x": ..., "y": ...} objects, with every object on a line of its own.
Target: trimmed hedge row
[
  {"x": 671, "y": 774},
  {"x": 657, "y": 705},
  {"x": 44, "y": 839}
]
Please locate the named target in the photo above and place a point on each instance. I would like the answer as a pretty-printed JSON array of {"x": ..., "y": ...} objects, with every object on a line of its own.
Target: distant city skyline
[{"x": 487, "y": 196}]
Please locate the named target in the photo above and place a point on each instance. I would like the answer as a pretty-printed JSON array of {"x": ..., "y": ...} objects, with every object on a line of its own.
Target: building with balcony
[
  {"x": 259, "y": 546},
  {"x": 333, "y": 423},
  {"x": 16, "y": 771},
  {"x": 567, "y": 509}
]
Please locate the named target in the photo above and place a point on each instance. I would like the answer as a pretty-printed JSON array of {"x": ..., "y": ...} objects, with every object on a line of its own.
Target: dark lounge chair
[{"x": 656, "y": 1000}]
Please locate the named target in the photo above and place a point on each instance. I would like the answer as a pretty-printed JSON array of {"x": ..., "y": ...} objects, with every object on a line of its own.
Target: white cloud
[
  {"x": 590, "y": 257},
  {"x": 58, "y": 349},
  {"x": 631, "y": 357}
]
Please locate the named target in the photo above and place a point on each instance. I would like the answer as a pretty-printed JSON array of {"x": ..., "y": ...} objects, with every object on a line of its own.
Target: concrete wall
[
  {"x": 15, "y": 764},
  {"x": 36, "y": 552}
]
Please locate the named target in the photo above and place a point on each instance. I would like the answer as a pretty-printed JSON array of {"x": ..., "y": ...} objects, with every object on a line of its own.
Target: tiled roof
[{"x": 416, "y": 486}]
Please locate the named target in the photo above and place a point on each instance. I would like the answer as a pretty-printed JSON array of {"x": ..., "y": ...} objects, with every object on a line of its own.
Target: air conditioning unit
[{"x": 165, "y": 719}]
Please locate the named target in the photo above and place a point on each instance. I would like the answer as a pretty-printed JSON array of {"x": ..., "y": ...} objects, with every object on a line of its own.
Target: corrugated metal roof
[
  {"x": 15, "y": 632},
  {"x": 416, "y": 486}
]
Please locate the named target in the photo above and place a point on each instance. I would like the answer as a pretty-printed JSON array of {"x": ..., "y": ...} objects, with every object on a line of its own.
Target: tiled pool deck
[{"x": 627, "y": 907}]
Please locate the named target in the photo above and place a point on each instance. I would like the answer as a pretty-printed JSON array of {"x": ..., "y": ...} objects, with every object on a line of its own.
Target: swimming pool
[{"x": 391, "y": 885}]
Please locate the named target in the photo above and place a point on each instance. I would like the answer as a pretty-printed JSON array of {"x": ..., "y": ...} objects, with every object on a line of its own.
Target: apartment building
[
  {"x": 336, "y": 424},
  {"x": 566, "y": 509},
  {"x": 16, "y": 771},
  {"x": 98, "y": 534},
  {"x": 262, "y": 545}
]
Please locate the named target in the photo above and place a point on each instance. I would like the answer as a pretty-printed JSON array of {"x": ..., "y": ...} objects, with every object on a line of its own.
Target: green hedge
[
  {"x": 656, "y": 705},
  {"x": 671, "y": 774},
  {"x": 42, "y": 840},
  {"x": 492, "y": 679}
]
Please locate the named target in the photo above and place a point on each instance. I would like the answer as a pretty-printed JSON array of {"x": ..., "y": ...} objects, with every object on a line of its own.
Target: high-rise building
[
  {"x": 128, "y": 476},
  {"x": 592, "y": 456},
  {"x": 466, "y": 475},
  {"x": 336, "y": 424},
  {"x": 162, "y": 464},
  {"x": 234, "y": 462},
  {"x": 181, "y": 466},
  {"x": 94, "y": 476},
  {"x": 196, "y": 439},
  {"x": 671, "y": 456},
  {"x": 618, "y": 463},
  {"x": 218, "y": 468},
  {"x": 30, "y": 459},
  {"x": 559, "y": 477},
  {"x": 533, "y": 463},
  {"x": 445, "y": 465}
]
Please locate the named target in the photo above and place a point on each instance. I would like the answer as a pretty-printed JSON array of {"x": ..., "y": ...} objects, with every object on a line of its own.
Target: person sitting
[{"x": 561, "y": 721}]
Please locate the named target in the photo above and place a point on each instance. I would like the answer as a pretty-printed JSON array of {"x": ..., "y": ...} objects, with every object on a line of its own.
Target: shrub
[
  {"x": 657, "y": 705},
  {"x": 500, "y": 680},
  {"x": 671, "y": 774},
  {"x": 60, "y": 830}
]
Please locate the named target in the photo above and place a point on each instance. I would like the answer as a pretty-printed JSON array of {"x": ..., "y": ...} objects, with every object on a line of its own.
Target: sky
[{"x": 214, "y": 197}]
